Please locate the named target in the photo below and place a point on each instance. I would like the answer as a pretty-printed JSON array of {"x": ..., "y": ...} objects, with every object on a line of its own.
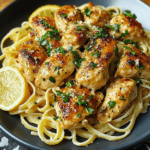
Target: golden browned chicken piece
[
  {"x": 30, "y": 57},
  {"x": 45, "y": 32},
  {"x": 120, "y": 93},
  {"x": 65, "y": 16},
  {"x": 55, "y": 69},
  {"x": 94, "y": 15},
  {"x": 129, "y": 28},
  {"x": 75, "y": 35},
  {"x": 74, "y": 104},
  {"x": 99, "y": 52},
  {"x": 134, "y": 63},
  {"x": 42, "y": 24}
]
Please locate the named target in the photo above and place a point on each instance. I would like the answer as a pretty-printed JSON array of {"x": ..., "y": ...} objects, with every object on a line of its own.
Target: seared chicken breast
[
  {"x": 55, "y": 69},
  {"x": 74, "y": 104},
  {"x": 30, "y": 57},
  {"x": 120, "y": 93},
  {"x": 42, "y": 24},
  {"x": 75, "y": 35},
  {"x": 45, "y": 32},
  {"x": 134, "y": 63},
  {"x": 94, "y": 15},
  {"x": 99, "y": 52},
  {"x": 128, "y": 26},
  {"x": 65, "y": 16}
]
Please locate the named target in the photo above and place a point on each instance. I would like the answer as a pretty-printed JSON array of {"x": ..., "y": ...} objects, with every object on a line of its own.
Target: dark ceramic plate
[{"x": 18, "y": 12}]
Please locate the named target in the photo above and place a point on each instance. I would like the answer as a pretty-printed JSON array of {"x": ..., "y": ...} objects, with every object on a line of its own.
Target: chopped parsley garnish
[
  {"x": 52, "y": 79},
  {"x": 46, "y": 63},
  {"x": 44, "y": 79},
  {"x": 96, "y": 54},
  {"x": 122, "y": 98},
  {"x": 57, "y": 38},
  {"x": 43, "y": 40},
  {"x": 27, "y": 64},
  {"x": 87, "y": 12},
  {"x": 64, "y": 97},
  {"x": 56, "y": 118},
  {"x": 60, "y": 49},
  {"x": 47, "y": 25},
  {"x": 93, "y": 65},
  {"x": 29, "y": 28},
  {"x": 114, "y": 27},
  {"x": 81, "y": 27},
  {"x": 116, "y": 63},
  {"x": 78, "y": 59},
  {"x": 111, "y": 104},
  {"x": 78, "y": 31},
  {"x": 123, "y": 34},
  {"x": 59, "y": 93},
  {"x": 48, "y": 34},
  {"x": 80, "y": 97},
  {"x": 138, "y": 82},
  {"x": 49, "y": 47},
  {"x": 92, "y": 53},
  {"x": 63, "y": 15},
  {"x": 136, "y": 45},
  {"x": 128, "y": 41},
  {"x": 79, "y": 115},
  {"x": 79, "y": 102},
  {"x": 90, "y": 110},
  {"x": 67, "y": 96},
  {"x": 101, "y": 33},
  {"x": 84, "y": 103},
  {"x": 32, "y": 48},
  {"x": 116, "y": 50},
  {"x": 140, "y": 66},
  {"x": 51, "y": 105},
  {"x": 110, "y": 13},
  {"x": 57, "y": 68},
  {"x": 56, "y": 31},
  {"x": 90, "y": 97},
  {"x": 89, "y": 47},
  {"x": 128, "y": 14},
  {"x": 35, "y": 103},
  {"x": 132, "y": 51},
  {"x": 74, "y": 23},
  {"x": 69, "y": 48},
  {"x": 70, "y": 83}
]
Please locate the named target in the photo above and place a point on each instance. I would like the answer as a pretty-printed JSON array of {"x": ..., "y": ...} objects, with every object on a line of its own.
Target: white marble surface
[{"x": 8, "y": 144}]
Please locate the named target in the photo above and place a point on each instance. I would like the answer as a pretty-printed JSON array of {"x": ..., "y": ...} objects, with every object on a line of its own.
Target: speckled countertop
[{"x": 8, "y": 144}]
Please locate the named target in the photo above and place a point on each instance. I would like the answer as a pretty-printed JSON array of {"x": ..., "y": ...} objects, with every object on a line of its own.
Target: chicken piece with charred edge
[{"x": 120, "y": 93}]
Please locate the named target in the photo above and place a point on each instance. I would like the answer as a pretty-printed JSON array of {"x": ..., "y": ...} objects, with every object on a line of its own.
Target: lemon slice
[
  {"x": 13, "y": 88},
  {"x": 47, "y": 10}
]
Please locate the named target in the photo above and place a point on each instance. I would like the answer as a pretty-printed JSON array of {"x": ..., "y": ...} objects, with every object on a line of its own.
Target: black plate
[{"x": 13, "y": 16}]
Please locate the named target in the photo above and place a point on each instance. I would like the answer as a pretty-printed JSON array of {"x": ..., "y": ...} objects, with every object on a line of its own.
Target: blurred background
[{"x": 4, "y": 3}]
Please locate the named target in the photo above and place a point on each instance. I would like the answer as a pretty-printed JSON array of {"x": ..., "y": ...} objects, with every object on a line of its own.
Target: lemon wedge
[
  {"x": 47, "y": 10},
  {"x": 13, "y": 88}
]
